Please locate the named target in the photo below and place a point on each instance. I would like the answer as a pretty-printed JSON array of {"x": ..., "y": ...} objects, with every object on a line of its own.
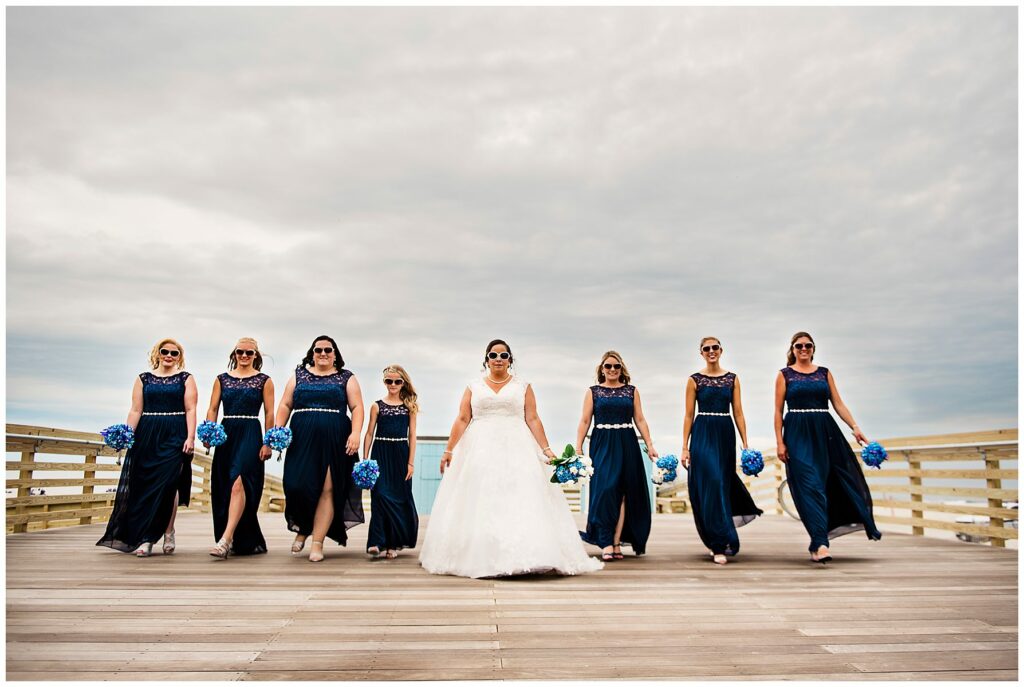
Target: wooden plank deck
[{"x": 904, "y": 608}]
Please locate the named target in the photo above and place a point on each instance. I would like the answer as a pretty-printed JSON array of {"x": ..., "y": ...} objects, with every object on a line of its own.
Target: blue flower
[
  {"x": 873, "y": 455},
  {"x": 211, "y": 433},
  {"x": 365, "y": 473},
  {"x": 669, "y": 462},
  {"x": 751, "y": 462},
  {"x": 278, "y": 438}
]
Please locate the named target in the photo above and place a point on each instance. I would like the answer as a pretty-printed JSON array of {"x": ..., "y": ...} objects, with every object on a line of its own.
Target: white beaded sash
[
  {"x": 181, "y": 413},
  {"x": 390, "y": 438},
  {"x": 624, "y": 425},
  {"x": 715, "y": 414},
  {"x": 241, "y": 417},
  {"x": 316, "y": 410},
  {"x": 808, "y": 410}
]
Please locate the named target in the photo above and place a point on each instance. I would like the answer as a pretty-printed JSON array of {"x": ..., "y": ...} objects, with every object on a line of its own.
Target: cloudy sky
[{"x": 416, "y": 182}]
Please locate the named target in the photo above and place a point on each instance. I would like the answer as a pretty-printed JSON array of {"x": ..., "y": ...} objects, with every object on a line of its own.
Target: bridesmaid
[
  {"x": 238, "y": 464},
  {"x": 620, "y": 504},
  {"x": 827, "y": 484},
  {"x": 320, "y": 496},
  {"x": 156, "y": 475},
  {"x": 720, "y": 501},
  {"x": 391, "y": 441}
]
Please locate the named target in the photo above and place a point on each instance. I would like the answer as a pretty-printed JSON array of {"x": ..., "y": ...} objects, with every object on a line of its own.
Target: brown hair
[
  {"x": 339, "y": 362},
  {"x": 407, "y": 392},
  {"x": 154, "y": 354},
  {"x": 623, "y": 376},
  {"x": 257, "y": 361},
  {"x": 499, "y": 342},
  {"x": 790, "y": 356},
  {"x": 709, "y": 338}
]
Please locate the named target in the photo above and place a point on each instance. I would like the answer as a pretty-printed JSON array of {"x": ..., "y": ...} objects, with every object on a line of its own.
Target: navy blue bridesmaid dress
[
  {"x": 394, "y": 522},
  {"x": 239, "y": 456},
  {"x": 618, "y": 473},
  {"x": 154, "y": 469},
  {"x": 720, "y": 501},
  {"x": 320, "y": 427},
  {"x": 825, "y": 479}
]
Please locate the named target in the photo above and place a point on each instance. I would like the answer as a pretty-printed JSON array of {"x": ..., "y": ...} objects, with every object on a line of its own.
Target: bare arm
[
  {"x": 458, "y": 428},
  {"x": 284, "y": 408},
  {"x": 135, "y": 412},
  {"x": 355, "y": 404},
  {"x": 843, "y": 411},
  {"x": 412, "y": 445},
  {"x": 780, "y": 402},
  {"x": 268, "y": 414},
  {"x": 371, "y": 427},
  {"x": 691, "y": 405},
  {"x": 585, "y": 419},
  {"x": 191, "y": 401},
  {"x": 534, "y": 423},
  {"x": 737, "y": 413},
  {"x": 641, "y": 423}
]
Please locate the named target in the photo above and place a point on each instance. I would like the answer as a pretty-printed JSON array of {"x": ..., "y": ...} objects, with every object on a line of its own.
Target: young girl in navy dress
[{"x": 391, "y": 441}]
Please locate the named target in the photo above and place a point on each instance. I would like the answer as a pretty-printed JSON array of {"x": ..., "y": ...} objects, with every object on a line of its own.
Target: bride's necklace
[{"x": 508, "y": 378}]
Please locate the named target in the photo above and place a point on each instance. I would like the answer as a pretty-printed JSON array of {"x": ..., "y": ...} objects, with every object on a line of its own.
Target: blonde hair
[
  {"x": 257, "y": 360},
  {"x": 623, "y": 376},
  {"x": 407, "y": 393},
  {"x": 718, "y": 341},
  {"x": 790, "y": 355},
  {"x": 154, "y": 353}
]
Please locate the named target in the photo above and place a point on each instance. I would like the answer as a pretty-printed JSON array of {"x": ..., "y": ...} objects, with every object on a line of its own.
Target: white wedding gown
[{"x": 496, "y": 512}]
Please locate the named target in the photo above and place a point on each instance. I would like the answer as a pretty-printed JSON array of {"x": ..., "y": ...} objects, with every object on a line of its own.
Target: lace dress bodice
[
  {"x": 508, "y": 403},
  {"x": 242, "y": 396},
  {"x": 714, "y": 394},
  {"x": 315, "y": 391},
  {"x": 613, "y": 406},
  {"x": 807, "y": 390},
  {"x": 163, "y": 394},
  {"x": 392, "y": 421}
]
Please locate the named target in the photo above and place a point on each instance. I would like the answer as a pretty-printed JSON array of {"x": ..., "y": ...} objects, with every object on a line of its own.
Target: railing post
[
  {"x": 24, "y": 490},
  {"x": 996, "y": 483},
  {"x": 206, "y": 504},
  {"x": 90, "y": 459},
  {"x": 915, "y": 499},
  {"x": 778, "y": 485}
]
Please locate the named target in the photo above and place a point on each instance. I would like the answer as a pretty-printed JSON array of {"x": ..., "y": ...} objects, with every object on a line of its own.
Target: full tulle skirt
[
  {"x": 718, "y": 497},
  {"x": 619, "y": 478},
  {"x": 239, "y": 457},
  {"x": 318, "y": 446},
  {"x": 827, "y": 484},
  {"x": 496, "y": 513},
  {"x": 153, "y": 471}
]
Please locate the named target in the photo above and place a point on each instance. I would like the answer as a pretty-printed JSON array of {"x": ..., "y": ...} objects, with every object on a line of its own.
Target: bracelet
[
  {"x": 547, "y": 448},
  {"x": 446, "y": 452}
]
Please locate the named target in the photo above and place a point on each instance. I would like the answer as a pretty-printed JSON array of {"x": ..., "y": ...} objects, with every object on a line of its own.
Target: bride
[{"x": 496, "y": 512}]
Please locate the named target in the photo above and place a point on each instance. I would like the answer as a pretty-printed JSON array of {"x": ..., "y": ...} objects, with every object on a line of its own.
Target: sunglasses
[
  {"x": 243, "y": 353},
  {"x": 396, "y": 382},
  {"x": 327, "y": 350},
  {"x": 712, "y": 347},
  {"x": 802, "y": 346},
  {"x": 494, "y": 356},
  {"x": 173, "y": 354},
  {"x": 612, "y": 366}
]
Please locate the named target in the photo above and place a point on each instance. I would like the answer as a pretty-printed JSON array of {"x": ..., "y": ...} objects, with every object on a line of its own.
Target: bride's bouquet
[
  {"x": 665, "y": 470},
  {"x": 570, "y": 467}
]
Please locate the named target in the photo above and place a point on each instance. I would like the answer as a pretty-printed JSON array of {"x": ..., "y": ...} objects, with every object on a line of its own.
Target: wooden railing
[
  {"x": 923, "y": 463},
  {"x": 91, "y": 482}
]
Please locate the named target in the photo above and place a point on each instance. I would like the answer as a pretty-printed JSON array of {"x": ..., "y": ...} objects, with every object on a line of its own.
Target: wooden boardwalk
[{"x": 903, "y": 608}]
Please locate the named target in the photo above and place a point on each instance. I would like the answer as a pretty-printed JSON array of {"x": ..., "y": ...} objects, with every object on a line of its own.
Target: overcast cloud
[{"x": 418, "y": 181}]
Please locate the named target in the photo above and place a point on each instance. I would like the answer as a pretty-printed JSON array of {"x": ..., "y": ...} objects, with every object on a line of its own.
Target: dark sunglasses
[
  {"x": 494, "y": 355},
  {"x": 612, "y": 366},
  {"x": 247, "y": 354},
  {"x": 802, "y": 346},
  {"x": 712, "y": 347},
  {"x": 327, "y": 350},
  {"x": 173, "y": 354},
  {"x": 396, "y": 382}
]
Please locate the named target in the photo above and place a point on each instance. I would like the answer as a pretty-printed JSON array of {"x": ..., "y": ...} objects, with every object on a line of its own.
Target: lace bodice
[
  {"x": 242, "y": 396},
  {"x": 613, "y": 406},
  {"x": 392, "y": 421},
  {"x": 508, "y": 402},
  {"x": 806, "y": 390},
  {"x": 163, "y": 394},
  {"x": 314, "y": 391},
  {"x": 714, "y": 394}
]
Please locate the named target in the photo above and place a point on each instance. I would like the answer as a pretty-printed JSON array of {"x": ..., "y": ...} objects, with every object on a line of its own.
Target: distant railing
[
  {"x": 39, "y": 446},
  {"x": 908, "y": 457}
]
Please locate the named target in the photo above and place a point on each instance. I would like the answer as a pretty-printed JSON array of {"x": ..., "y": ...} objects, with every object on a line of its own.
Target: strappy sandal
[
  {"x": 222, "y": 549},
  {"x": 373, "y": 551},
  {"x": 144, "y": 550},
  {"x": 607, "y": 556},
  {"x": 827, "y": 558},
  {"x": 312, "y": 553},
  {"x": 298, "y": 545},
  {"x": 169, "y": 542},
  {"x": 391, "y": 554},
  {"x": 720, "y": 559},
  {"x": 617, "y": 555}
]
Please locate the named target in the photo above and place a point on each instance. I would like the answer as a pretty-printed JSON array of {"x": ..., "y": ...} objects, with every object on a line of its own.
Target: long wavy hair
[
  {"x": 154, "y": 353},
  {"x": 257, "y": 361},
  {"x": 407, "y": 392},
  {"x": 623, "y": 375},
  {"x": 790, "y": 355},
  {"x": 339, "y": 362}
]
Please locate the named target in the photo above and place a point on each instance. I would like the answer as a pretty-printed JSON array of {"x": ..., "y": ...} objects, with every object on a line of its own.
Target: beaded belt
[
  {"x": 316, "y": 410},
  {"x": 808, "y": 410},
  {"x": 181, "y": 413},
  {"x": 241, "y": 417},
  {"x": 391, "y": 439},
  {"x": 624, "y": 425},
  {"x": 715, "y": 414}
]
